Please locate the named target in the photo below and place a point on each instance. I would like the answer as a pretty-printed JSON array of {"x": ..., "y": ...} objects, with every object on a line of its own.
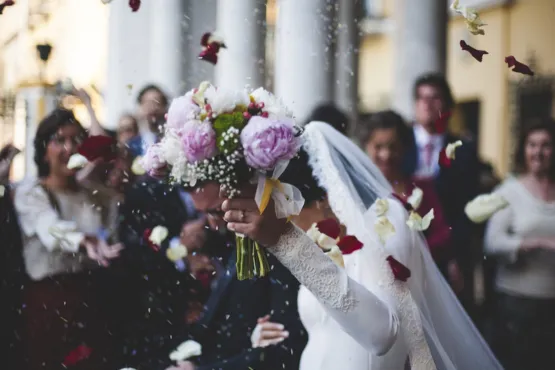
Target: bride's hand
[
  {"x": 267, "y": 333},
  {"x": 243, "y": 217}
]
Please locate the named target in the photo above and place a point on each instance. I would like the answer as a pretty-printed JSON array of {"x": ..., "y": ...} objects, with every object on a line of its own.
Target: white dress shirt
[{"x": 429, "y": 146}]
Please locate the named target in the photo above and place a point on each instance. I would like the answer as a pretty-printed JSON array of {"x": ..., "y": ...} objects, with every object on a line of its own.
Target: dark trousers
[{"x": 524, "y": 333}]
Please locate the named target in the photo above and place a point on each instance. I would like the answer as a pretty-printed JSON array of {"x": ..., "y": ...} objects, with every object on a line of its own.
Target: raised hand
[
  {"x": 267, "y": 333},
  {"x": 243, "y": 217}
]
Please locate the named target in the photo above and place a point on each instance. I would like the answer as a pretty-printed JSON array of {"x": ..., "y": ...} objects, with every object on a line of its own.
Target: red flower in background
[
  {"x": 211, "y": 47},
  {"x": 82, "y": 352},
  {"x": 440, "y": 125},
  {"x": 517, "y": 66},
  {"x": 400, "y": 271},
  {"x": 146, "y": 236},
  {"x": 477, "y": 54},
  {"x": 348, "y": 244},
  {"x": 330, "y": 227},
  {"x": 99, "y": 146},
  {"x": 134, "y": 5},
  {"x": 5, "y": 4}
]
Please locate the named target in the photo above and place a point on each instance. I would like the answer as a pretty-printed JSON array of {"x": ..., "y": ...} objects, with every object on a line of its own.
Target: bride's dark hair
[{"x": 300, "y": 174}]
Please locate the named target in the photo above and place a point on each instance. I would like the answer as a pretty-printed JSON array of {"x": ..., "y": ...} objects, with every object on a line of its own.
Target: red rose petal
[
  {"x": 477, "y": 54},
  {"x": 134, "y": 5},
  {"x": 99, "y": 146},
  {"x": 146, "y": 236},
  {"x": 349, "y": 244},
  {"x": 518, "y": 67},
  {"x": 329, "y": 227},
  {"x": 440, "y": 124},
  {"x": 444, "y": 161},
  {"x": 82, "y": 352},
  {"x": 400, "y": 271},
  {"x": 204, "y": 39}
]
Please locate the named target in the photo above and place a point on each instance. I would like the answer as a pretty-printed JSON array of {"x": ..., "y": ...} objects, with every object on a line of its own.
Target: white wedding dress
[{"x": 359, "y": 317}]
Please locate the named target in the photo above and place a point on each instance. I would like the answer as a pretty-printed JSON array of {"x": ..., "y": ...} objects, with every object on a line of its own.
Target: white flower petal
[
  {"x": 381, "y": 207},
  {"x": 186, "y": 350},
  {"x": 158, "y": 235},
  {"x": 176, "y": 252},
  {"x": 415, "y": 198},
  {"x": 484, "y": 206},
  {"x": 417, "y": 223},
  {"x": 137, "y": 167},
  {"x": 384, "y": 228},
  {"x": 336, "y": 256},
  {"x": 76, "y": 161},
  {"x": 450, "y": 149},
  {"x": 313, "y": 233},
  {"x": 2, "y": 190}
]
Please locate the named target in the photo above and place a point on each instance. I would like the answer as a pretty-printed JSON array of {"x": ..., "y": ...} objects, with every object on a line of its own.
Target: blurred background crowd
[{"x": 96, "y": 294}]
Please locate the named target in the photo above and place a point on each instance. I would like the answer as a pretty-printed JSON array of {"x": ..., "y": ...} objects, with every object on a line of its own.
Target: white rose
[
  {"x": 417, "y": 223},
  {"x": 223, "y": 100},
  {"x": 171, "y": 148},
  {"x": 158, "y": 235},
  {"x": 484, "y": 206},
  {"x": 186, "y": 350},
  {"x": 451, "y": 148},
  {"x": 336, "y": 256},
  {"x": 381, "y": 207},
  {"x": 415, "y": 198},
  {"x": 384, "y": 228},
  {"x": 77, "y": 161}
]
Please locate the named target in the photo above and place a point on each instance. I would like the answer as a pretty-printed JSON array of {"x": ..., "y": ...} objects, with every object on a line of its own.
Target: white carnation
[
  {"x": 171, "y": 148},
  {"x": 158, "y": 235},
  {"x": 223, "y": 100}
]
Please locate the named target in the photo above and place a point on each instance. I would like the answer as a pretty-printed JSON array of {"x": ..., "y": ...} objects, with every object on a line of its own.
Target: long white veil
[{"x": 432, "y": 320}]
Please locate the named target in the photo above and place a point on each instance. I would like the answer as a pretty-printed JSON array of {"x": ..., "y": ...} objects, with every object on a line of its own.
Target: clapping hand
[
  {"x": 267, "y": 333},
  {"x": 98, "y": 250}
]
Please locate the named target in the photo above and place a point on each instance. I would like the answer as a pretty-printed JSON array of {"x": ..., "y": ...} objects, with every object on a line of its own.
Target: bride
[{"x": 360, "y": 316}]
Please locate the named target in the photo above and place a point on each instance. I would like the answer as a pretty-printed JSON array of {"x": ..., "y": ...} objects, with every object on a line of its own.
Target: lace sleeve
[{"x": 361, "y": 313}]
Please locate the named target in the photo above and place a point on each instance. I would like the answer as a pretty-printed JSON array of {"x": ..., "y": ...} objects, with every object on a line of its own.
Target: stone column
[
  {"x": 168, "y": 42},
  {"x": 304, "y": 59},
  {"x": 346, "y": 58},
  {"x": 242, "y": 24},
  {"x": 420, "y": 46}
]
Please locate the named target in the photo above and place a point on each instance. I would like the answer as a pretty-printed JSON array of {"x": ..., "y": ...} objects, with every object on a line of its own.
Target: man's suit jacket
[
  {"x": 455, "y": 186},
  {"x": 231, "y": 313},
  {"x": 156, "y": 293}
]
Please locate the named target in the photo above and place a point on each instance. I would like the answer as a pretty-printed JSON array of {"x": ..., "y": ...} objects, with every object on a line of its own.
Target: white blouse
[
  {"x": 51, "y": 238},
  {"x": 528, "y": 274}
]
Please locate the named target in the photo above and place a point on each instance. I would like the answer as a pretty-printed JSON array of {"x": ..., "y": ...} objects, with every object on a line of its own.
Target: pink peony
[
  {"x": 153, "y": 162},
  {"x": 181, "y": 110},
  {"x": 198, "y": 140},
  {"x": 266, "y": 142}
]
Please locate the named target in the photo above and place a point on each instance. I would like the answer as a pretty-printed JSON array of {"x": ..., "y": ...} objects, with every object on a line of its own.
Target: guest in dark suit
[
  {"x": 234, "y": 306},
  {"x": 159, "y": 291},
  {"x": 455, "y": 185}
]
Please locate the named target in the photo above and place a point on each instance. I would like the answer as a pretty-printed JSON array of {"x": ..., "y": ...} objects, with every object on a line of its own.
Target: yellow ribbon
[{"x": 269, "y": 186}]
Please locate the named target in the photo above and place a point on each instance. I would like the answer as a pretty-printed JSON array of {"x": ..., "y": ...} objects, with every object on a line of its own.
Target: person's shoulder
[
  {"x": 508, "y": 187},
  {"x": 28, "y": 186}
]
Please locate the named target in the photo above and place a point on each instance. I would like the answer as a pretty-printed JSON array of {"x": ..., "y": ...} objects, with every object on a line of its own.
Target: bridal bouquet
[{"x": 231, "y": 137}]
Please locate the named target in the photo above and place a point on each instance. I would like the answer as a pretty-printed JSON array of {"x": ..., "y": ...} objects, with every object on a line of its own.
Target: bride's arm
[{"x": 367, "y": 318}]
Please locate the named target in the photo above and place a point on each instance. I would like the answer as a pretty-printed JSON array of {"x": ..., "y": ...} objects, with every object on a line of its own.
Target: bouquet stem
[{"x": 251, "y": 259}]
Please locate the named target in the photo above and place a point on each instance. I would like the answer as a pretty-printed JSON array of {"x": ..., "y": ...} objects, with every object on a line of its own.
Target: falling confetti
[
  {"x": 476, "y": 54},
  {"x": 447, "y": 155},
  {"x": 134, "y": 5},
  {"x": 82, "y": 352},
  {"x": 517, "y": 66},
  {"x": 5, "y": 4},
  {"x": 211, "y": 46},
  {"x": 471, "y": 17}
]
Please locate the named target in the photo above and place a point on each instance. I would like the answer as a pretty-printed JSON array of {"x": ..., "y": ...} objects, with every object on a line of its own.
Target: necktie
[{"x": 428, "y": 152}]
